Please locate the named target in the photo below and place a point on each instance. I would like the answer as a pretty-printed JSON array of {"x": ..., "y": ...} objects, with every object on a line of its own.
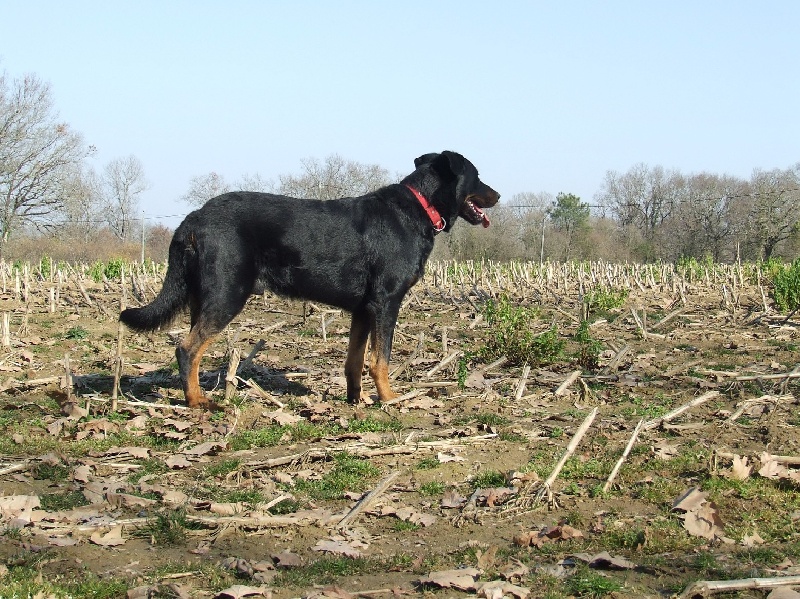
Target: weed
[
  {"x": 168, "y": 528},
  {"x": 488, "y": 479},
  {"x": 786, "y": 286},
  {"x": 374, "y": 425},
  {"x": 512, "y": 335},
  {"x": 222, "y": 468},
  {"x": 56, "y": 502},
  {"x": 428, "y": 463},
  {"x": 432, "y": 489},
  {"x": 76, "y": 333},
  {"x": 349, "y": 473},
  {"x": 587, "y": 583},
  {"x": 589, "y": 348},
  {"x": 27, "y": 581},
  {"x": 604, "y": 299},
  {"x": 404, "y": 526}
]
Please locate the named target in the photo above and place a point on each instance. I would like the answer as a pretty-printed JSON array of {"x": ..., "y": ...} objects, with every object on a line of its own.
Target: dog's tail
[{"x": 174, "y": 294}]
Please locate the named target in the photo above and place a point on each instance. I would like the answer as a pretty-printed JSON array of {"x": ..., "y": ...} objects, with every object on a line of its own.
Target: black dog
[{"x": 360, "y": 254}]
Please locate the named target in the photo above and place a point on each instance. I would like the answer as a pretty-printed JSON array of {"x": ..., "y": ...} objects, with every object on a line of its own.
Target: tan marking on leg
[
  {"x": 379, "y": 370},
  {"x": 195, "y": 397}
]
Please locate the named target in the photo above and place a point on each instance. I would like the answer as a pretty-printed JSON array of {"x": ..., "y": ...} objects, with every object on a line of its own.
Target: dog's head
[{"x": 460, "y": 191}]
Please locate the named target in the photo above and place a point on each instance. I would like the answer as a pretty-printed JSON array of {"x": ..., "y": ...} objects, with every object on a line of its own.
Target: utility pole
[{"x": 142, "y": 237}]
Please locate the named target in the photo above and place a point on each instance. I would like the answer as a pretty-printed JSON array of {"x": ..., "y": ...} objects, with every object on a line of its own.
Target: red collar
[{"x": 436, "y": 218}]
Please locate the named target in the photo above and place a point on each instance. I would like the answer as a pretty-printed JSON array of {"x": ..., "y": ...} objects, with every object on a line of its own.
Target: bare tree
[
  {"x": 38, "y": 154},
  {"x": 123, "y": 182},
  {"x": 773, "y": 208},
  {"x": 333, "y": 178},
  {"x": 83, "y": 205},
  {"x": 641, "y": 200},
  {"x": 204, "y": 187}
]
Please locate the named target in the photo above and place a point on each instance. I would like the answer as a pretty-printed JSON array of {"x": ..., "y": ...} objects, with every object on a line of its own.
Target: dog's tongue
[{"x": 483, "y": 215}]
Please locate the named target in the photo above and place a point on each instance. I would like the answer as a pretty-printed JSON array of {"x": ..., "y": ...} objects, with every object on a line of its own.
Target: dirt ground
[{"x": 247, "y": 496}]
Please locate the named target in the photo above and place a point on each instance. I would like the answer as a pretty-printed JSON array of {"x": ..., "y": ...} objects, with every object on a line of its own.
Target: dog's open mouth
[{"x": 474, "y": 214}]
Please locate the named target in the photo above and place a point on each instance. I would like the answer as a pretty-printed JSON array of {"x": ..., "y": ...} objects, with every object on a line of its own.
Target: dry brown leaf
[
  {"x": 452, "y": 499},
  {"x": 287, "y": 559},
  {"x": 487, "y": 559},
  {"x": 448, "y": 457},
  {"x": 18, "y": 506},
  {"x": 604, "y": 560},
  {"x": 178, "y": 425},
  {"x": 497, "y": 589},
  {"x": 239, "y": 590},
  {"x": 740, "y": 470},
  {"x": 282, "y": 418},
  {"x": 462, "y": 579},
  {"x": 110, "y": 539},
  {"x": 783, "y": 593},
  {"x": 82, "y": 473},
  {"x": 690, "y": 500},
  {"x": 176, "y": 462},
  {"x": 515, "y": 570},
  {"x": 336, "y": 548},
  {"x": 752, "y": 540},
  {"x": 209, "y": 447},
  {"x": 126, "y": 500}
]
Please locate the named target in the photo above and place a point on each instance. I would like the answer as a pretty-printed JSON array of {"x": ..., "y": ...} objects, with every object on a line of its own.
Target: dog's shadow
[{"x": 254, "y": 381}]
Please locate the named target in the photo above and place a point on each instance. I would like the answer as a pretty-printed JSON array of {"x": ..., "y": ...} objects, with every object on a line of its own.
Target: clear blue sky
[{"x": 540, "y": 96}]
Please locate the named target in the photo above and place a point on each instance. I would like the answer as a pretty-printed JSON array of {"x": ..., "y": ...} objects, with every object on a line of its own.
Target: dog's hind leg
[
  {"x": 189, "y": 353},
  {"x": 354, "y": 365},
  {"x": 216, "y": 310}
]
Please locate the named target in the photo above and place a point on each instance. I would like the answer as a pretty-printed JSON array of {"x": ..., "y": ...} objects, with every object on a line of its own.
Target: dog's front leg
[
  {"x": 381, "y": 349},
  {"x": 354, "y": 365}
]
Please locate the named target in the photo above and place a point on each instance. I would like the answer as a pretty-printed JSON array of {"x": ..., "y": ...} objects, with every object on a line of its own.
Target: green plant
[
  {"x": 432, "y": 489},
  {"x": 587, "y": 583},
  {"x": 488, "y": 479},
  {"x": 512, "y": 335},
  {"x": 603, "y": 299},
  {"x": 349, "y": 473},
  {"x": 77, "y": 333},
  {"x": 786, "y": 286},
  {"x": 589, "y": 348}
]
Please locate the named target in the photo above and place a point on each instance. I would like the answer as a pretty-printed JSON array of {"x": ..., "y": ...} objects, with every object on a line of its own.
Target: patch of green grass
[
  {"x": 272, "y": 435},
  {"x": 428, "y": 463},
  {"x": 67, "y": 500},
  {"x": 27, "y": 581},
  {"x": 349, "y": 473},
  {"x": 585, "y": 582},
  {"x": 222, "y": 468},
  {"x": 491, "y": 419},
  {"x": 371, "y": 424},
  {"x": 326, "y": 570},
  {"x": 488, "y": 479},
  {"x": 168, "y": 528},
  {"x": 404, "y": 526},
  {"x": 148, "y": 467},
  {"x": 432, "y": 489}
]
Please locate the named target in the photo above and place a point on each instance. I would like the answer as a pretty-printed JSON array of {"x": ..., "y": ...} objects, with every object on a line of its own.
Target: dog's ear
[{"x": 425, "y": 159}]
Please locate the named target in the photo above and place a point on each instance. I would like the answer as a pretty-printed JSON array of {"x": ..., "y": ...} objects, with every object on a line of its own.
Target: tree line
[{"x": 53, "y": 202}]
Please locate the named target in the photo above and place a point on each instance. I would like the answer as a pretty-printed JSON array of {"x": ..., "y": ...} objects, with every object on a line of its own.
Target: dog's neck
[{"x": 436, "y": 218}]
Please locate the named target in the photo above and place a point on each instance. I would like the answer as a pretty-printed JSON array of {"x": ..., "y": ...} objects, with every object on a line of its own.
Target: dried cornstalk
[
  {"x": 624, "y": 456},
  {"x": 562, "y": 388},
  {"x": 368, "y": 499},
  {"x": 705, "y": 587},
  {"x": 230, "y": 377},
  {"x": 442, "y": 364},
  {"x": 522, "y": 382},
  {"x": 656, "y": 422}
]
